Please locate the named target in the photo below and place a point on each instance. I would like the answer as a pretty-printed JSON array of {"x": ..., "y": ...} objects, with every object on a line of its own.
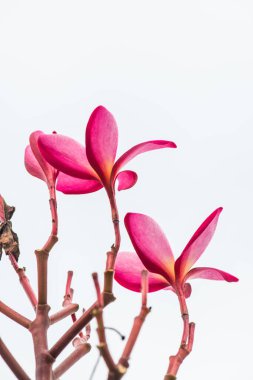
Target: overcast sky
[{"x": 176, "y": 70}]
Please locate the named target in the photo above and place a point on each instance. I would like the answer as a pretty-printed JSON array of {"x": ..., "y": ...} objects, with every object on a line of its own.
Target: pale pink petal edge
[
  {"x": 128, "y": 269},
  {"x": 210, "y": 274},
  {"x": 32, "y": 165}
]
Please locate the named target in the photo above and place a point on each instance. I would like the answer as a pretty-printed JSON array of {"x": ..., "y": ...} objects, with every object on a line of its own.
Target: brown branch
[
  {"x": 63, "y": 313},
  {"x": 24, "y": 281},
  {"x": 42, "y": 260},
  {"x": 81, "y": 349},
  {"x": 14, "y": 315},
  {"x": 40, "y": 325},
  {"x": 12, "y": 362},
  {"x": 98, "y": 312},
  {"x": 38, "y": 330},
  {"x": 77, "y": 326},
  {"x": 117, "y": 371}
]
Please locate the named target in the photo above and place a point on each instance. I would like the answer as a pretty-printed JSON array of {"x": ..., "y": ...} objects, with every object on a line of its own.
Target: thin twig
[
  {"x": 95, "y": 367},
  {"x": 68, "y": 297},
  {"x": 24, "y": 281}
]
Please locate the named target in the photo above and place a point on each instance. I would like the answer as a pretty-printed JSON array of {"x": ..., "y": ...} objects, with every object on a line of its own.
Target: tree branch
[
  {"x": 63, "y": 313},
  {"x": 81, "y": 349},
  {"x": 24, "y": 281},
  {"x": 123, "y": 363},
  {"x": 98, "y": 313},
  {"x": 77, "y": 326},
  {"x": 14, "y": 315},
  {"x": 42, "y": 260},
  {"x": 12, "y": 362}
]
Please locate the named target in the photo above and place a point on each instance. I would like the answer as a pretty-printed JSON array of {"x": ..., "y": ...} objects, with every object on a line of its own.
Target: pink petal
[
  {"x": 151, "y": 245},
  {"x": 197, "y": 244},
  {"x": 72, "y": 185},
  {"x": 210, "y": 274},
  {"x": 128, "y": 273},
  {"x": 2, "y": 212},
  {"x": 32, "y": 165},
  {"x": 187, "y": 289},
  {"x": 126, "y": 179},
  {"x": 138, "y": 149},
  {"x": 49, "y": 171},
  {"x": 102, "y": 142},
  {"x": 66, "y": 155}
]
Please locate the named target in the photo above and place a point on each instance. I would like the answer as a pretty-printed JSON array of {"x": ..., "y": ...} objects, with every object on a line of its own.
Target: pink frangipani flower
[
  {"x": 35, "y": 163},
  {"x": 38, "y": 167},
  {"x": 84, "y": 170},
  {"x": 154, "y": 254}
]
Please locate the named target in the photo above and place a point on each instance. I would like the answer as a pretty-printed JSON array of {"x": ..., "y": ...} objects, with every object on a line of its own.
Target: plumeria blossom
[
  {"x": 153, "y": 252},
  {"x": 35, "y": 163},
  {"x": 85, "y": 170}
]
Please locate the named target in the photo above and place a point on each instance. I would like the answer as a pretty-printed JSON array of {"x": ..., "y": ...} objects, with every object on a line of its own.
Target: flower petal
[
  {"x": 128, "y": 269},
  {"x": 187, "y": 289},
  {"x": 102, "y": 142},
  {"x": 151, "y": 245},
  {"x": 71, "y": 185},
  {"x": 210, "y": 274},
  {"x": 2, "y": 212},
  {"x": 66, "y": 155},
  {"x": 32, "y": 165},
  {"x": 49, "y": 171},
  {"x": 138, "y": 149},
  {"x": 126, "y": 179},
  {"x": 197, "y": 244}
]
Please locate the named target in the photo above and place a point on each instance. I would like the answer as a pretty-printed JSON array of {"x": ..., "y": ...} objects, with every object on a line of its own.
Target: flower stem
[
  {"x": 186, "y": 341},
  {"x": 112, "y": 254},
  {"x": 53, "y": 209}
]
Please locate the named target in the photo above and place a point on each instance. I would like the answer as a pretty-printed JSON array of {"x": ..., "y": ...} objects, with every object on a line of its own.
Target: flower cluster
[{"x": 71, "y": 168}]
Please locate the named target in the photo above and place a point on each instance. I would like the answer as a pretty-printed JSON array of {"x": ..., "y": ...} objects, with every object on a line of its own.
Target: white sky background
[{"x": 177, "y": 70}]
